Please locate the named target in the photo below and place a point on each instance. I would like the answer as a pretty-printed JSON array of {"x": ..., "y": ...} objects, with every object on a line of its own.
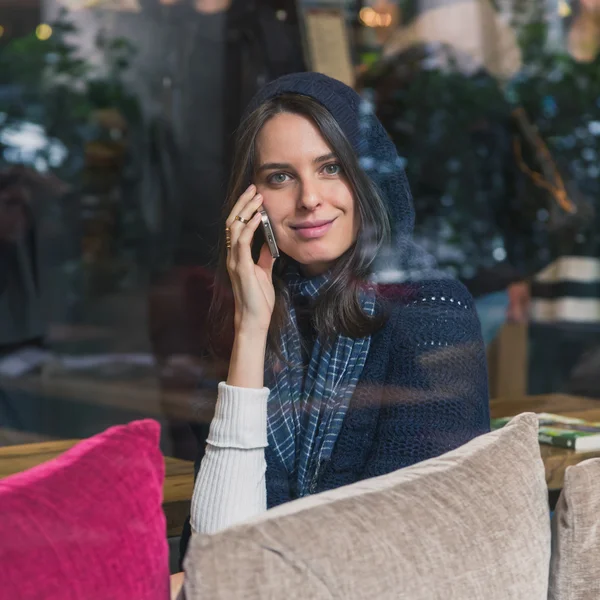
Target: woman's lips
[{"x": 313, "y": 232}]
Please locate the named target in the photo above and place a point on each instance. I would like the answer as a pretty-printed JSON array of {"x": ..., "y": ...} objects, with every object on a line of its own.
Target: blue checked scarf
[{"x": 306, "y": 409}]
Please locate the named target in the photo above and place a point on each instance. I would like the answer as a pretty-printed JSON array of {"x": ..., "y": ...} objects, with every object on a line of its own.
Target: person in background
[
  {"x": 329, "y": 379},
  {"x": 583, "y": 38},
  {"x": 24, "y": 279},
  {"x": 564, "y": 330},
  {"x": 438, "y": 93},
  {"x": 21, "y": 321},
  {"x": 194, "y": 106}
]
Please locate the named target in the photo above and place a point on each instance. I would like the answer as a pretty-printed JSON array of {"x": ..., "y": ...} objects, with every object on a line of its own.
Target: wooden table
[
  {"x": 556, "y": 460},
  {"x": 178, "y": 486}
]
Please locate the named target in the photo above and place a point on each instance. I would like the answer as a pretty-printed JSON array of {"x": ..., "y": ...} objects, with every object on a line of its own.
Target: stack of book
[{"x": 564, "y": 432}]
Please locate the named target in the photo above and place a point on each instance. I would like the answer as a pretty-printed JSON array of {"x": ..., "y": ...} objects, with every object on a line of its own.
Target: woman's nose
[{"x": 309, "y": 196}]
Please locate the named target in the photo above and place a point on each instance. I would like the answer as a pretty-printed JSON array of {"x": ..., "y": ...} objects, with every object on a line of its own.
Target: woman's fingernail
[
  {"x": 259, "y": 196},
  {"x": 251, "y": 187}
]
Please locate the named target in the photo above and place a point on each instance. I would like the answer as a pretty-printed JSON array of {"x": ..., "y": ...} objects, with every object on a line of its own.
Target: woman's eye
[
  {"x": 332, "y": 169},
  {"x": 278, "y": 178}
]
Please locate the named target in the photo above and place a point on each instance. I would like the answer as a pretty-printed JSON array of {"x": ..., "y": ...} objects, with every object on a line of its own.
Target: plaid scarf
[{"x": 306, "y": 409}]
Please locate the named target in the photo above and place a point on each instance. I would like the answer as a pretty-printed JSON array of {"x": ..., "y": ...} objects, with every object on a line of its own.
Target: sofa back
[{"x": 473, "y": 523}]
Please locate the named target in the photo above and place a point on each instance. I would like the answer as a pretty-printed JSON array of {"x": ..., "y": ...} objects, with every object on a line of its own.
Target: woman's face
[{"x": 305, "y": 193}]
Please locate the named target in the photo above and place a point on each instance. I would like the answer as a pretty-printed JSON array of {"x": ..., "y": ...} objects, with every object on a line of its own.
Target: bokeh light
[{"x": 43, "y": 32}]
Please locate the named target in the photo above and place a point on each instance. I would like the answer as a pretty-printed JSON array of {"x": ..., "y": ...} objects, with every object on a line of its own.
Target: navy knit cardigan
[{"x": 423, "y": 390}]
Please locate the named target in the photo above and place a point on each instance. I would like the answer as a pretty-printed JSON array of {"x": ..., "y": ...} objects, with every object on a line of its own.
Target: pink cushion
[{"x": 89, "y": 524}]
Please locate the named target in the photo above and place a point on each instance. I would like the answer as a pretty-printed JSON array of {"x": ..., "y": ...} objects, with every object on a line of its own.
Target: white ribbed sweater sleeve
[{"x": 230, "y": 486}]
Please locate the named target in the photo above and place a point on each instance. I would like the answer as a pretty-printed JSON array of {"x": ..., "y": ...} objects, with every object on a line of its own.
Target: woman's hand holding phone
[{"x": 252, "y": 283}]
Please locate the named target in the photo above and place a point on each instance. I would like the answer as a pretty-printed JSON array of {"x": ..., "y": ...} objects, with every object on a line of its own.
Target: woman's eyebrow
[
  {"x": 269, "y": 166},
  {"x": 325, "y": 157},
  {"x": 272, "y": 166}
]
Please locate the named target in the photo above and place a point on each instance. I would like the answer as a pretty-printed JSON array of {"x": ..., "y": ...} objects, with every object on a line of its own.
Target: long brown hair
[{"x": 338, "y": 310}]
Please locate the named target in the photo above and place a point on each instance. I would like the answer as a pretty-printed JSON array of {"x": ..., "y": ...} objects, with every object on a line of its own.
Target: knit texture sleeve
[
  {"x": 436, "y": 393},
  {"x": 230, "y": 486}
]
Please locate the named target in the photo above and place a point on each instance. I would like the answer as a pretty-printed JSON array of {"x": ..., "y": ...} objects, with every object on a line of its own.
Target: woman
[{"x": 331, "y": 380}]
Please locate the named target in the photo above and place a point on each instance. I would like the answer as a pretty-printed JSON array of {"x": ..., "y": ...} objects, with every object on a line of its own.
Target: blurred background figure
[
  {"x": 193, "y": 108},
  {"x": 28, "y": 241},
  {"x": 565, "y": 312},
  {"x": 438, "y": 91},
  {"x": 21, "y": 308},
  {"x": 583, "y": 39}
]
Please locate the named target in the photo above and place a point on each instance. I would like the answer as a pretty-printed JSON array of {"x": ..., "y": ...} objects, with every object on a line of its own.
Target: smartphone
[{"x": 269, "y": 235}]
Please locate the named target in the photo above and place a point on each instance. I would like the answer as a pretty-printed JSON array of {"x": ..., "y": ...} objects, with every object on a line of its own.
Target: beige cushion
[
  {"x": 470, "y": 524},
  {"x": 575, "y": 564}
]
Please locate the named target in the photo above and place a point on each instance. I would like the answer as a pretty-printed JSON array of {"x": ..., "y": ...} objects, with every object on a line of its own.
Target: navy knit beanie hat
[{"x": 339, "y": 99}]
